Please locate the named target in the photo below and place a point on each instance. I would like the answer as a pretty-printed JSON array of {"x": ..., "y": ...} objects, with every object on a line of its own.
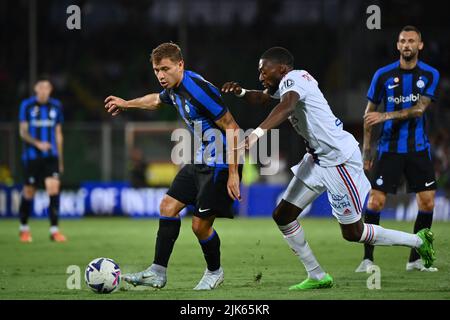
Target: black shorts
[
  {"x": 204, "y": 187},
  {"x": 416, "y": 167},
  {"x": 35, "y": 171}
]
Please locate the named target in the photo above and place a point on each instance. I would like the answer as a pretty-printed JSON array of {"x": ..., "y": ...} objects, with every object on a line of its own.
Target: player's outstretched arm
[
  {"x": 367, "y": 138},
  {"x": 252, "y": 97},
  {"x": 115, "y": 105}
]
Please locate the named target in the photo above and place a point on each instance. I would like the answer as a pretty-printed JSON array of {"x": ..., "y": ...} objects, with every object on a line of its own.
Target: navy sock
[
  {"x": 25, "y": 208},
  {"x": 211, "y": 251},
  {"x": 371, "y": 217},
  {"x": 53, "y": 210},
  {"x": 424, "y": 220},
  {"x": 169, "y": 229}
]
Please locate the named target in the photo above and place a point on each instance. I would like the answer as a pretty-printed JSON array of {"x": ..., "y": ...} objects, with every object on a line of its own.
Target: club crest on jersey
[
  {"x": 186, "y": 107},
  {"x": 288, "y": 83},
  {"x": 52, "y": 114},
  {"x": 379, "y": 181},
  {"x": 420, "y": 84}
]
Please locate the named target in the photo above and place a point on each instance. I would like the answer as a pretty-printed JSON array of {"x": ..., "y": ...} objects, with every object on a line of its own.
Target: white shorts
[{"x": 346, "y": 184}]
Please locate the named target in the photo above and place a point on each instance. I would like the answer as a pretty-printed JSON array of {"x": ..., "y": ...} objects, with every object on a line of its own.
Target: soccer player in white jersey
[{"x": 332, "y": 163}]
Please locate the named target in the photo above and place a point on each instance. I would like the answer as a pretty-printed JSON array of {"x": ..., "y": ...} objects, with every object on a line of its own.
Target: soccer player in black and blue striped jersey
[
  {"x": 41, "y": 118},
  {"x": 406, "y": 87},
  {"x": 211, "y": 184}
]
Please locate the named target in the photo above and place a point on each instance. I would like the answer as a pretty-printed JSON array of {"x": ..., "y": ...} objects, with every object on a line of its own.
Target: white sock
[
  {"x": 295, "y": 237},
  {"x": 379, "y": 236},
  {"x": 53, "y": 229},
  {"x": 24, "y": 227}
]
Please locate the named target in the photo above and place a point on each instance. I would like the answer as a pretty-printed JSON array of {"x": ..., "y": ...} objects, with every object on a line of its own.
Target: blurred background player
[
  {"x": 41, "y": 120},
  {"x": 211, "y": 185},
  {"x": 332, "y": 163},
  {"x": 407, "y": 87}
]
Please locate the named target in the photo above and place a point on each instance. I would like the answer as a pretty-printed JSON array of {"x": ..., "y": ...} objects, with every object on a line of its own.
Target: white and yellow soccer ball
[{"x": 102, "y": 275}]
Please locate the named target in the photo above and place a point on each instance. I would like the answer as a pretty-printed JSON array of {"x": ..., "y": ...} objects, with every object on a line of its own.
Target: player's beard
[{"x": 410, "y": 57}]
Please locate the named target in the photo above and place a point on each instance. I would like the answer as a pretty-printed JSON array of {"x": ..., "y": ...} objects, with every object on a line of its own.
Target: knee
[
  {"x": 167, "y": 208},
  {"x": 52, "y": 186},
  {"x": 28, "y": 192},
  {"x": 285, "y": 213},
  {"x": 351, "y": 234},
  {"x": 426, "y": 204},
  {"x": 376, "y": 202},
  {"x": 200, "y": 231}
]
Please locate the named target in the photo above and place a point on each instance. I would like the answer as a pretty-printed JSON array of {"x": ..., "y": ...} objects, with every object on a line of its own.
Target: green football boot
[
  {"x": 326, "y": 282},
  {"x": 426, "y": 250}
]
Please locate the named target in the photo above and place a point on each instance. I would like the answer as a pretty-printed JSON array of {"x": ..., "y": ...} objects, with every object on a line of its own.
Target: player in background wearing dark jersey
[
  {"x": 211, "y": 185},
  {"x": 407, "y": 88},
  {"x": 41, "y": 120}
]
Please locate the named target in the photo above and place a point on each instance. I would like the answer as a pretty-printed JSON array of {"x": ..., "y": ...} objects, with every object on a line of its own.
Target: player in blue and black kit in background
[
  {"x": 211, "y": 184},
  {"x": 407, "y": 88},
  {"x": 41, "y": 120}
]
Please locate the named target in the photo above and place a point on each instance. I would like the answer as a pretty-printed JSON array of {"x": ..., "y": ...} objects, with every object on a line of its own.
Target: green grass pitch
[{"x": 258, "y": 263}]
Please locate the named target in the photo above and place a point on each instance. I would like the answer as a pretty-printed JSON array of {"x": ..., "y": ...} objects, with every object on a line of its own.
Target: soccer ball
[{"x": 102, "y": 275}]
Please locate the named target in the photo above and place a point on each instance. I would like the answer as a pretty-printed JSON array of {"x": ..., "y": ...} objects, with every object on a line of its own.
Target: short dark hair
[
  {"x": 279, "y": 55},
  {"x": 412, "y": 28},
  {"x": 166, "y": 50},
  {"x": 43, "y": 78}
]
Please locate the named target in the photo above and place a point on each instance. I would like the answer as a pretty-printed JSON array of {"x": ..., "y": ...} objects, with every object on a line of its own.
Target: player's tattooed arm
[
  {"x": 115, "y": 105},
  {"x": 252, "y": 97},
  {"x": 25, "y": 135},
  {"x": 415, "y": 111},
  {"x": 231, "y": 128},
  {"x": 367, "y": 139}
]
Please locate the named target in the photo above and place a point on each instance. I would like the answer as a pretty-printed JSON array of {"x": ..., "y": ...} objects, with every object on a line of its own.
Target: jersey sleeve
[
  {"x": 376, "y": 92},
  {"x": 431, "y": 87},
  {"x": 23, "y": 111},
  {"x": 60, "y": 118},
  {"x": 164, "y": 97},
  {"x": 293, "y": 81}
]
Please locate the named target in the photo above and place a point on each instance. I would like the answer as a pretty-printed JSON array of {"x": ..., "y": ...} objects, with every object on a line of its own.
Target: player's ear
[
  {"x": 420, "y": 45},
  {"x": 181, "y": 64}
]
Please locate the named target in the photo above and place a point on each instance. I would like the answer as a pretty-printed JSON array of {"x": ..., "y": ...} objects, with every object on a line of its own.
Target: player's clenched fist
[
  {"x": 115, "y": 105},
  {"x": 232, "y": 87}
]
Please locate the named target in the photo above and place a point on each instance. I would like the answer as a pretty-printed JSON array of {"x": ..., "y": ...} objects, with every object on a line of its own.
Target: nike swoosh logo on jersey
[
  {"x": 427, "y": 184},
  {"x": 392, "y": 86},
  {"x": 203, "y": 210}
]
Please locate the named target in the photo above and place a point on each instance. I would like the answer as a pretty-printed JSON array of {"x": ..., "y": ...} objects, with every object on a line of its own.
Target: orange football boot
[
  {"x": 25, "y": 236},
  {"x": 58, "y": 237}
]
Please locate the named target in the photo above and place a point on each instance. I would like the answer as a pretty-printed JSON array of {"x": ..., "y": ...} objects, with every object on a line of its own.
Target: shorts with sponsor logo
[
  {"x": 35, "y": 171},
  {"x": 416, "y": 167},
  {"x": 205, "y": 188},
  {"x": 346, "y": 186}
]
